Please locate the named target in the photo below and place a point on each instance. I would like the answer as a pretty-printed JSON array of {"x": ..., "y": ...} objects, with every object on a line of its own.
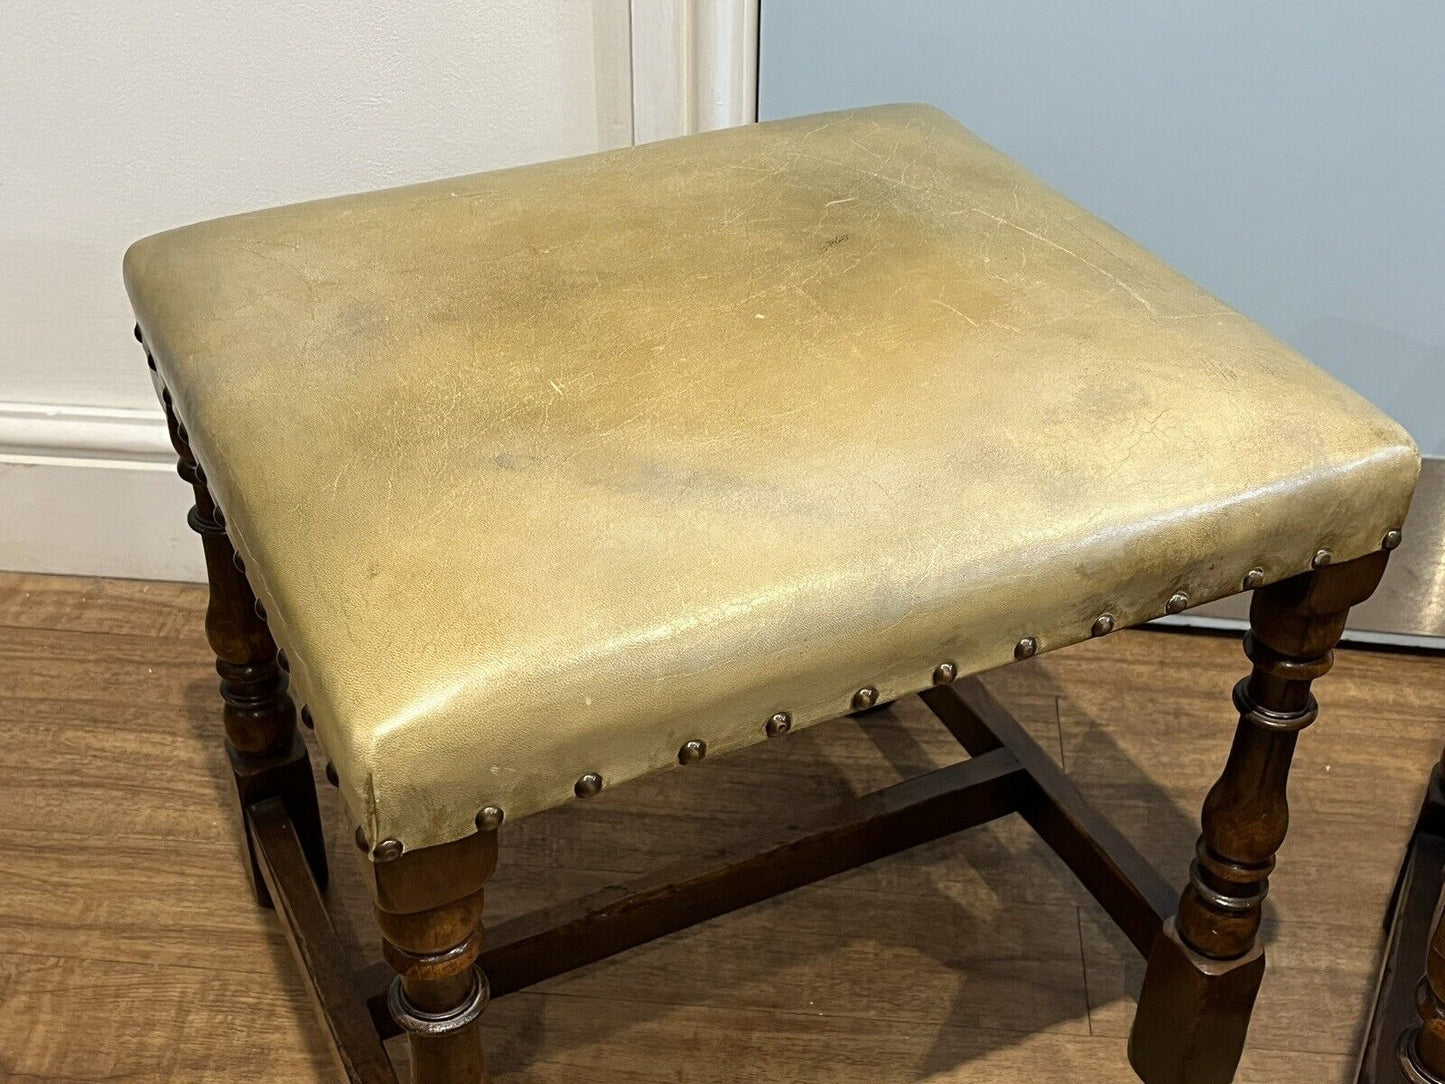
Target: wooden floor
[{"x": 129, "y": 950}]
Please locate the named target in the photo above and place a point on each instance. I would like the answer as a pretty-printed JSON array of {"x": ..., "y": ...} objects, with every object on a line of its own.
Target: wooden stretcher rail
[
  {"x": 1007, "y": 773},
  {"x": 553, "y": 941},
  {"x": 1126, "y": 884},
  {"x": 353, "y": 1038}
]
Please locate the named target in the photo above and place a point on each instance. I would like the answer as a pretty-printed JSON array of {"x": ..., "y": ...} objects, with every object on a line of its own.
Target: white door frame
[{"x": 694, "y": 66}]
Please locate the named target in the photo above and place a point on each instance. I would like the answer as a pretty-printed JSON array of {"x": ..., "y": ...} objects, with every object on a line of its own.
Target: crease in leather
[{"x": 550, "y": 470}]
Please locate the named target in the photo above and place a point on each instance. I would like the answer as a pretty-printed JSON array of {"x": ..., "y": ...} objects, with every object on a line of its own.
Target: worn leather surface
[{"x": 547, "y": 471}]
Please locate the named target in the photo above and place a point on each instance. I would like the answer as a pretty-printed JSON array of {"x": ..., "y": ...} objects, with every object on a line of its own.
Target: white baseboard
[{"x": 93, "y": 491}]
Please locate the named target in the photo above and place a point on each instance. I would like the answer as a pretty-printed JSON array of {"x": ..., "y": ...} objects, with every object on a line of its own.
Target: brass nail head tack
[
  {"x": 1391, "y": 540},
  {"x": 1253, "y": 578},
  {"x": 780, "y": 723},
  {"x": 945, "y": 674},
  {"x": 260, "y": 610},
  {"x": 331, "y": 776},
  {"x": 692, "y": 752},
  {"x": 1322, "y": 558},
  {"x": 865, "y": 697},
  {"x": 282, "y": 661},
  {"x": 490, "y": 818},
  {"x": 588, "y": 785},
  {"x": 1178, "y": 603},
  {"x": 1102, "y": 626},
  {"x": 1026, "y": 648},
  {"x": 238, "y": 562},
  {"x": 306, "y": 720},
  {"x": 361, "y": 840},
  {"x": 388, "y": 850}
]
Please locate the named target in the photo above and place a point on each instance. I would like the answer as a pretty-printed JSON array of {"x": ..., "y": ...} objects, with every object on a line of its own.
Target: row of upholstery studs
[
  {"x": 491, "y": 817},
  {"x": 945, "y": 673}
]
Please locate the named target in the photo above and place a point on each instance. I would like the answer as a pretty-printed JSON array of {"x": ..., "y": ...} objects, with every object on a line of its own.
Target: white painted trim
[
  {"x": 93, "y": 491},
  {"x": 612, "y": 68},
  {"x": 725, "y": 63},
  {"x": 31, "y": 432},
  {"x": 660, "y": 107},
  {"x": 61, "y": 515},
  {"x": 694, "y": 66}
]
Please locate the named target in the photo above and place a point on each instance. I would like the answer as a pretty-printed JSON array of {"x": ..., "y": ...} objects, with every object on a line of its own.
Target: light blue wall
[{"x": 1289, "y": 155}]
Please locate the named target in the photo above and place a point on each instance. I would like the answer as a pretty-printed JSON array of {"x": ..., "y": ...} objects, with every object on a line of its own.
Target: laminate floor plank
[{"x": 130, "y": 950}]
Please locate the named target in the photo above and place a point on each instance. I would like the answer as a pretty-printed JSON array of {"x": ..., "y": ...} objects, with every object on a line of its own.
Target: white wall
[
  {"x": 118, "y": 120},
  {"x": 1288, "y": 156},
  {"x": 121, "y": 119}
]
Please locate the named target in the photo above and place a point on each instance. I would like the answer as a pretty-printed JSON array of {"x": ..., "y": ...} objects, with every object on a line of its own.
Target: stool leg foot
[
  {"x": 1206, "y": 965},
  {"x": 268, "y": 757},
  {"x": 1193, "y": 1013},
  {"x": 1421, "y": 1049},
  {"x": 428, "y": 904}
]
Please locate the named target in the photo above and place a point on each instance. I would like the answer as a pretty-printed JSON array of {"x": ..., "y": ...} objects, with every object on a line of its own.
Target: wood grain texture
[
  {"x": 358, "y": 1048},
  {"x": 971, "y": 959},
  {"x": 1132, "y": 892},
  {"x": 1406, "y": 946},
  {"x": 812, "y": 847}
]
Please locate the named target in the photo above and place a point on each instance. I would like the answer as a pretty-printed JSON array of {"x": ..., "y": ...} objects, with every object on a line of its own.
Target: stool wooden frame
[
  {"x": 1205, "y": 962},
  {"x": 1405, "y": 1039}
]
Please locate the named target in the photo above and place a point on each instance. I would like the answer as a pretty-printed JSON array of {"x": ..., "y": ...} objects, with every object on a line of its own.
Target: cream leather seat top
[{"x": 549, "y": 471}]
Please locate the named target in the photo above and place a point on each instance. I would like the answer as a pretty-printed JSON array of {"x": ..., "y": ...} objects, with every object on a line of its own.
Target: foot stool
[
  {"x": 1405, "y": 1038},
  {"x": 549, "y": 478}
]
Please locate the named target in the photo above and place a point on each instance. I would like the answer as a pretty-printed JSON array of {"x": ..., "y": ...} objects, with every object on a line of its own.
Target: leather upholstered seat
[{"x": 549, "y": 471}]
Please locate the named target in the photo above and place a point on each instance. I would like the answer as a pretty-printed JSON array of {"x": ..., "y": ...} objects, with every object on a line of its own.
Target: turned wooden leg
[
  {"x": 428, "y": 904},
  {"x": 1205, "y": 967},
  {"x": 268, "y": 757},
  {"x": 1421, "y": 1049}
]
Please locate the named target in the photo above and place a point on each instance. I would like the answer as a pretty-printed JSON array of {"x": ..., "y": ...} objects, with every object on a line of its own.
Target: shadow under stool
[{"x": 530, "y": 483}]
